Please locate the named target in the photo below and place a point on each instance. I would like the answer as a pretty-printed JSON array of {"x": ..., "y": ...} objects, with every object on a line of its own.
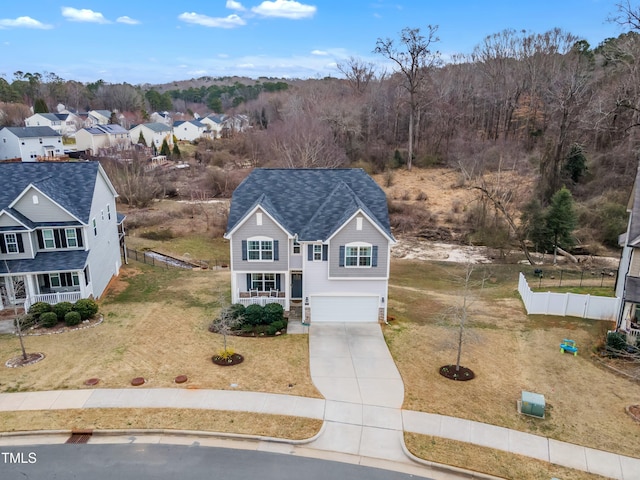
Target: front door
[{"x": 296, "y": 285}]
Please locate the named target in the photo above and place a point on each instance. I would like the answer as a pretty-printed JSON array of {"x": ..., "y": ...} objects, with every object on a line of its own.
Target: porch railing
[
  {"x": 52, "y": 298},
  {"x": 262, "y": 301}
]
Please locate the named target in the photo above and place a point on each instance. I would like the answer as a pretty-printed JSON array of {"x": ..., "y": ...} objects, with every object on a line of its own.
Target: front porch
[{"x": 254, "y": 297}]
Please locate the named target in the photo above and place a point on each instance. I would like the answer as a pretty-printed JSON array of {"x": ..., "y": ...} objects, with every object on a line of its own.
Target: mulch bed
[
  {"x": 62, "y": 328},
  {"x": 234, "y": 359},
  {"x": 462, "y": 374},
  {"x": 32, "y": 358}
]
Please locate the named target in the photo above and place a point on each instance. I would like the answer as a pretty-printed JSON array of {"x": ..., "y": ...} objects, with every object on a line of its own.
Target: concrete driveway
[{"x": 352, "y": 367}]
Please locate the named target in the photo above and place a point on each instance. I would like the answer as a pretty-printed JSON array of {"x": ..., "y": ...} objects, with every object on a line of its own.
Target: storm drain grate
[{"x": 80, "y": 436}]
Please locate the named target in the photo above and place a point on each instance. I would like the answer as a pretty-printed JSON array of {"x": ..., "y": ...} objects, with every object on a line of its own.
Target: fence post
[
  {"x": 581, "y": 275},
  {"x": 561, "y": 272}
]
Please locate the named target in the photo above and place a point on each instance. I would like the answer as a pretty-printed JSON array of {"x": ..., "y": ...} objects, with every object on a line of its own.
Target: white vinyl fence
[{"x": 567, "y": 304}]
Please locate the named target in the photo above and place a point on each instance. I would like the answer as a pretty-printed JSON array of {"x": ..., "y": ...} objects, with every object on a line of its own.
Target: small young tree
[
  {"x": 164, "y": 150},
  {"x": 561, "y": 220},
  {"x": 176, "y": 151},
  {"x": 141, "y": 139},
  {"x": 18, "y": 288},
  {"x": 225, "y": 323}
]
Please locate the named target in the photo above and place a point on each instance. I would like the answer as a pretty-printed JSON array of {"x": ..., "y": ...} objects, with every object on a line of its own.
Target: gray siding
[
  {"x": 28, "y": 253},
  {"x": 268, "y": 229},
  {"x": 349, "y": 234},
  {"x": 104, "y": 254},
  {"x": 44, "y": 211}
]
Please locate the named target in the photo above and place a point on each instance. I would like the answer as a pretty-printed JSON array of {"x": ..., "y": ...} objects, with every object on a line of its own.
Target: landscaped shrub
[
  {"x": 72, "y": 318},
  {"x": 253, "y": 314},
  {"x": 61, "y": 309},
  {"x": 86, "y": 307},
  {"x": 275, "y": 327},
  {"x": 273, "y": 312},
  {"x": 616, "y": 341},
  {"x": 49, "y": 319},
  {"x": 26, "y": 322},
  {"x": 237, "y": 310},
  {"x": 39, "y": 308}
]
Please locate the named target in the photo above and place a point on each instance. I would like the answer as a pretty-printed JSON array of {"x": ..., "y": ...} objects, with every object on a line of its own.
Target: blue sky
[{"x": 142, "y": 41}]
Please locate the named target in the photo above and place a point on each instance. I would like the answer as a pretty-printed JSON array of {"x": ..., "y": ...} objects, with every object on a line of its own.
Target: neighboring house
[
  {"x": 153, "y": 133},
  {"x": 161, "y": 117},
  {"x": 64, "y": 123},
  {"x": 98, "y": 117},
  {"x": 315, "y": 237},
  {"x": 628, "y": 278},
  {"x": 234, "y": 123},
  {"x": 102, "y": 136},
  {"x": 189, "y": 130},
  {"x": 30, "y": 144},
  {"x": 214, "y": 123},
  {"x": 60, "y": 234}
]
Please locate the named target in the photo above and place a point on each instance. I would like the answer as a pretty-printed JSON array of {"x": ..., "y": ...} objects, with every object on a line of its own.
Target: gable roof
[
  {"x": 312, "y": 203},
  {"x": 156, "y": 127},
  {"x": 69, "y": 184},
  {"x": 30, "y": 132}
]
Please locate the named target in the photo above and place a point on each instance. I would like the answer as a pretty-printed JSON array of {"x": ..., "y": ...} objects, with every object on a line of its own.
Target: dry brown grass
[
  {"x": 488, "y": 460},
  {"x": 509, "y": 352},
  {"x": 155, "y": 326},
  {"x": 277, "y": 426}
]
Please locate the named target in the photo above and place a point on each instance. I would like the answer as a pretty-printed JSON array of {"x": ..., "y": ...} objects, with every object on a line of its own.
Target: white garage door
[{"x": 344, "y": 309}]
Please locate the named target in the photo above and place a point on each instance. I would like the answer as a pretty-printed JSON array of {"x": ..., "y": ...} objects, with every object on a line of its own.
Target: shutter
[
  {"x": 79, "y": 236},
  {"x": 278, "y": 282},
  {"x": 86, "y": 275},
  {"x": 341, "y": 264},
  {"x": 20, "y": 243},
  {"x": 310, "y": 253},
  {"x": 276, "y": 254},
  {"x": 56, "y": 237},
  {"x": 40, "y": 239},
  {"x": 244, "y": 249},
  {"x": 374, "y": 256},
  {"x": 3, "y": 246},
  {"x": 47, "y": 282},
  {"x": 325, "y": 253},
  {"x": 248, "y": 282},
  {"x": 63, "y": 238}
]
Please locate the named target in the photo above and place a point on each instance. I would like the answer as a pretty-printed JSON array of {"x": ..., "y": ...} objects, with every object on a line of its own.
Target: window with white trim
[
  {"x": 54, "y": 279},
  {"x": 296, "y": 248},
  {"x": 72, "y": 239},
  {"x": 260, "y": 250},
  {"x": 317, "y": 253},
  {"x": 108, "y": 211},
  {"x": 357, "y": 256},
  {"x": 95, "y": 227},
  {"x": 47, "y": 238},
  {"x": 11, "y": 241},
  {"x": 263, "y": 282}
]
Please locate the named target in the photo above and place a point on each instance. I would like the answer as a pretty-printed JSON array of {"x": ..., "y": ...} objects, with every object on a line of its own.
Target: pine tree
[
  {"x": 40, "y": 106},
  {"x": 141, "y": 139},
  {"x": 164, "y": 150},
  {"x": 176, "y": 151},
  {"x": 561, "y": 220}
]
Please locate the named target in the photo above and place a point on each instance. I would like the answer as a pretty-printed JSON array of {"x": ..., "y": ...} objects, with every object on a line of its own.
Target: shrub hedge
[
  {"x": 49, "y": 319},
  {"x": 86, "y": 307},
  {"x": 61, "y": 309},
  {"x": 72, "y": 318}
]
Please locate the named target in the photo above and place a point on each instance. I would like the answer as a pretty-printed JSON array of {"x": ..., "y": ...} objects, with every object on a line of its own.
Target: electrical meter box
[{"x": 532, "y": 404}]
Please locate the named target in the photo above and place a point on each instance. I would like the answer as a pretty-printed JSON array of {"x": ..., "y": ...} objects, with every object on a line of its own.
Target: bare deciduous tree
[
  {"x": 358, "y": 73},
  {"x": 18, "y": 290},
  {"x": 414, "y": 58}
]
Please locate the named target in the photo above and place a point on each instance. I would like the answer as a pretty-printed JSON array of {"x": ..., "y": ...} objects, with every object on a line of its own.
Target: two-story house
[
  {"x": 59, "y": 232},
  {"x": 63, "y": 123},
  {"x": 319, "y": 238},
  {"x": 103, "y": 136},
  {"x": 628, "y": 278},
  {"x": 98, "y": 117},
  {"x": 189, "y": 130},
  {"x": 153, "y": 134},
  {"x": 30, "y": 144}
]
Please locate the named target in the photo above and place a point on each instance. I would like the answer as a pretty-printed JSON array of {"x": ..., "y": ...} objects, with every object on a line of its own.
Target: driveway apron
[{"x": 352, "y": 367}]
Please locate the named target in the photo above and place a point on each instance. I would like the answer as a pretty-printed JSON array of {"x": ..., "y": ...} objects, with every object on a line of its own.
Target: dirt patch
[{"x": 20, "y": 361}]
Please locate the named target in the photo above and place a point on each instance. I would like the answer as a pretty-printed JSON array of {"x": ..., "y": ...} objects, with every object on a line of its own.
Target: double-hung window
[
  {"x": 72, "y": 238},
  {"x": 263, "y": 282},
  {"x": 48, "y": 239},
  {"x": 317, "y": 253},
  {"x": 357, "y": 256},
  {"x": 11, "y": 241},
  {"x": 260, "y": 249},
  {"x": 296, "y": 248}
]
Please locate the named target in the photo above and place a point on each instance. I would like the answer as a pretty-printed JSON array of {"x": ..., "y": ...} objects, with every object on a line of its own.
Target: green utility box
[{"x": 532, "y": 404}]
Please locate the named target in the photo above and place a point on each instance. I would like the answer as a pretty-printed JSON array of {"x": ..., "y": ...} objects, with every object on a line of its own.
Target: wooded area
[{"x": 547, "y": 105}]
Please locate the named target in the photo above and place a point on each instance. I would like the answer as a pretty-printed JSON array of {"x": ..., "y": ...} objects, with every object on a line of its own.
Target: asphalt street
[{"x": 170, "y": 462}]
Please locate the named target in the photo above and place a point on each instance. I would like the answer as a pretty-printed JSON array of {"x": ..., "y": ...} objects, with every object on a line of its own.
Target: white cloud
[
  {"x": 83, "y": 15},
  {"x": 246, "y": 65},
  {"x": 23, "y": 22},
  {"x": 232, "y": 21},
  {"x": 233, "y": 5},
  {"x": 127, "y": 20},
  {"x": 319, "y": 52},
  {"x": 285, "y": 9},
  {"x": 223, "y": 55}
]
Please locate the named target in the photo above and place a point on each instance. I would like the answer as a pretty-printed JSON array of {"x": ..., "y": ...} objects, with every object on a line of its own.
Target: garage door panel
[{"x": 344, "y": 308}]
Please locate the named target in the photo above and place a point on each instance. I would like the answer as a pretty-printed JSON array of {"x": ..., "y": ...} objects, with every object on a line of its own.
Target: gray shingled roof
[
  {"x": 634, "y": 224},
  {"x": 62, "y": 261},
  {"x": 312, "y": 203},
  {"x": 70, "y": 184},
  {"x": 157, "y": 127},
  {"x": 29, "y": 132}
]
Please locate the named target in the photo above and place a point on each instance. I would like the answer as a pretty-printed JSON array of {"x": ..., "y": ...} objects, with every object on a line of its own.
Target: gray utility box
[{"x": 532, "y": 404}]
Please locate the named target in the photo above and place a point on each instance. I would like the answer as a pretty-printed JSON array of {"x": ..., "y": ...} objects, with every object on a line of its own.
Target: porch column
[{"x": 31, "y": 285}]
